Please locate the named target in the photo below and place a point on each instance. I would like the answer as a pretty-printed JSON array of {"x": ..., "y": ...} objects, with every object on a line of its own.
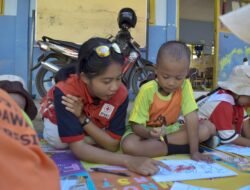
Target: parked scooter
[{"x": 58, "y": 54}]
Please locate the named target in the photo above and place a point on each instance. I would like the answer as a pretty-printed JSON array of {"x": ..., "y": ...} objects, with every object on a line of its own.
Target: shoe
[{"x": 212, "y": 142}]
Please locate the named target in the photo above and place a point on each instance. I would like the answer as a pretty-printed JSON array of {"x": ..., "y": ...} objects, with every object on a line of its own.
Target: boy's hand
[
  {"x": 156, "y": 132},
  {"x": 73, "y": 104},
  {"x": 197, "y": 156}
]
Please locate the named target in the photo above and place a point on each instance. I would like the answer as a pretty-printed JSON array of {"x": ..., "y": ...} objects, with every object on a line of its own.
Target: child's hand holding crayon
[{"x": 158, "y": 132}]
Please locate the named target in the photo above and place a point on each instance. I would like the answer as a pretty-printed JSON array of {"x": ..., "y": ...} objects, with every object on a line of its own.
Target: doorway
[{"x": 197, "y": 31}]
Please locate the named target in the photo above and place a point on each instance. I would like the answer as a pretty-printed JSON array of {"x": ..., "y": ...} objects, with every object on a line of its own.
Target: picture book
[
  {"x": 113, "y": 177},
  {"x": 74, "y": 182},
  {"x": 233, "y": 160},
  {"x": 179, "y": 170},
  {"x": 67, "y": 163},
  {"x": 236, "y": 149},
  {"x": 245, "y": 188},
  {"x": 72, "y": 172}
]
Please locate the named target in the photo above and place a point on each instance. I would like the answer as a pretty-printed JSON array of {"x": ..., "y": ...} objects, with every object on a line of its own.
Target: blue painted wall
[
  {"x": 22, "y": 39},
  {"x": 7, "y": 44},
  {"x": 165, "y": 26},
  {"x": 14, "y": 38},
  {"x": 156, "y": 38}
]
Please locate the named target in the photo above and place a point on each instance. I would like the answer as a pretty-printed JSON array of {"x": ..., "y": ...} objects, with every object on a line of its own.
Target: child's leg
[
  {"x": 246, "y": 128},
  {"x": 206, "y": 130},
  {"x": 134, "y": 145}
]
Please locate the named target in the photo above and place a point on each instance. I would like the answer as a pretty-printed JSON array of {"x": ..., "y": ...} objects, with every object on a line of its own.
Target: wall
[
  {"x": 194, "y": 31},
  {"x": 10, "y": 8},
  {"x": 199, "y": 10},
  {"x": 7, "y": 33},
  {"x": 232, "y": 50},
  {"x": 7, "y": 45},
  {"x": 197, "y": 27},
  {"x": 80, "y": 20},
  {"x": 197, "y": 21},
  {"x": 165, "y": 26},
  {"x": 15, "y": 35}
]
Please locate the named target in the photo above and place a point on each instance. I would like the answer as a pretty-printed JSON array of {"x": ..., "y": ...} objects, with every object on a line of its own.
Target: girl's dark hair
[
  {"x": 175, "y": 49},
  {"x": 90, "y": 63},
  {"x": 65, "y": 72}
]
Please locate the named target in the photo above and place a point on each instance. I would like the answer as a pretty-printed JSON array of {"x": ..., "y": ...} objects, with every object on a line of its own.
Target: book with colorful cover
[
  {"x": 67, "y": 163},
  {"x": 235, "y": 149},
  {"x": 241, "y": 163},
  {"x": 113, "y": 177},
  {"x": 72, "y": 172},
  {"x": 75, "y": 182}
]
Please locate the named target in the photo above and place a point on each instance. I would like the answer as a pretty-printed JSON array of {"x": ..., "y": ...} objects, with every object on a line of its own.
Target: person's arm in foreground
[
  {"x": 141, "y": 165},
  {"x": 192, "y": 132}
]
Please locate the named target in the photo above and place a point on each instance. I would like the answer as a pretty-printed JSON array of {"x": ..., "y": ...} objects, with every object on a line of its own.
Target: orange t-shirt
[{"x": 23, "y": 164}]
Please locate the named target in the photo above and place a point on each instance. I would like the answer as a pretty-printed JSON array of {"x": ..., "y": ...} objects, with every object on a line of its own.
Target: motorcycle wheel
[
  {"x": 45, "y": 80},
  {"x": 138, "y": 76}
]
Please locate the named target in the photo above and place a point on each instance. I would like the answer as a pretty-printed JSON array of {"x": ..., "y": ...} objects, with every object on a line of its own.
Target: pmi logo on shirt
[{"x": 106, "y": 110}]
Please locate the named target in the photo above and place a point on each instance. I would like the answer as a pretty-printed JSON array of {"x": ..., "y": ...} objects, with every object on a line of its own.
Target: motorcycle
[{"x": 58, "y": 54}]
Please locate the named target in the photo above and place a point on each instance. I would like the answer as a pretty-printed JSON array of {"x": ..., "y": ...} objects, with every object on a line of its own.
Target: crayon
[{"x": 102, "y": 170}]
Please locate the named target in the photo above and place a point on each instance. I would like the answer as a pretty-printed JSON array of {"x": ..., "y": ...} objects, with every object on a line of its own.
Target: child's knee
[
  {"x": 209, "y": 127},
  {"x": 128, "y": 146},
  {"x": 60, "y": 145},
  {"x": 212, "y": 128},
  {"x": 55, "y": 142}
]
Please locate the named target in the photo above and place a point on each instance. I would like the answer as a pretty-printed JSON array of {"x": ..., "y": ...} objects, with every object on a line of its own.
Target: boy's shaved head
[{"x": 174, "y": 50}]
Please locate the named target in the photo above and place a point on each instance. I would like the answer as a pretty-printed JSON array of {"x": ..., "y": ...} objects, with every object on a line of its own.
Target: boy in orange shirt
[{"x": 158, "y": 105}]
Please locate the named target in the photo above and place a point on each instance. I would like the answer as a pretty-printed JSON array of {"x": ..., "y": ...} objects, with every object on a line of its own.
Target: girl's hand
[
  {"x": 73, "y": 104},
  {"x": 156, "y": 132},
  {"x": 142, "y": 165}
]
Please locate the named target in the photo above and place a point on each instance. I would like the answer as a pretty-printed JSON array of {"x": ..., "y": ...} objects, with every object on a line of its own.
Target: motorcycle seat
[{"x": 61, "y": 43}]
